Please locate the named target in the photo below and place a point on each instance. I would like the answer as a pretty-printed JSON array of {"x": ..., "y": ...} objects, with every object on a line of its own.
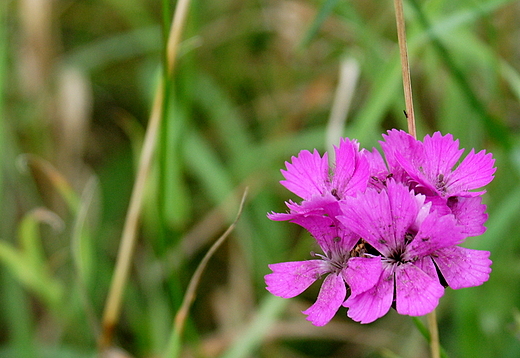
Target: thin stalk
[
  {"x": 434, "y": 335},
  {"x": 405, "y": 66},
  {"x": 174, "y": 344},
  {"x": 179, "y": 19},
  {"x": 410, "y": 115},
  {"x": 427, "y": 335},
  {"x": 128, "y": 237}
]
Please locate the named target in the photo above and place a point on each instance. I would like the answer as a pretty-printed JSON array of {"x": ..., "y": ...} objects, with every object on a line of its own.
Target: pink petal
[
  {"x": 318, "y": 216},
  {"x": 319, "y": 226},
  {"x": 351, "y": 171},
  {"x": 284, "y": 216},
  {"x": 402, "y": 143},
  {"x": 382, "y": 219},
  {"x": 330, "y": 298},
  {"x": 404, "y": 207},
  {"x": 378, "y": 171},
  {"x": 463, "y": 267},
  {"x": 362, "y": 273},
  {"x": 424, "y": 211},
  {"x": 470, "y": 214},
  {"x": 375, "y": 161},
  {"x": 416, "y": 292},
  {"x": 414, "y": 168},
  {"x": 426, "y": 264},
  {"x": 324, "y": 205},
  {"x": 441, "y": 153},
  {"x": 374, "y": 303},
  {"x": 289, "y": 279},
  {"x": 436, "y": 232},
  {"x": 475, "y": 171},
  {"x": 331, "y": 235},
  {"x": 281, "y": 216},
  {"x": 307, "y": 175},
  {"x": 316, "y": 205},
  {"x": 362, "y": 212}
]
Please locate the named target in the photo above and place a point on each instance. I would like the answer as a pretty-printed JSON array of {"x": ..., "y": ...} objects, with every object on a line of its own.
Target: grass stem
[
  {"x": 405, "y": 66},
  {"x": 128, "y": 238},
  {"x": 434, "y": 335},
  {"x": 174, "y": 344},
  {"x": 410, "y": 116}
]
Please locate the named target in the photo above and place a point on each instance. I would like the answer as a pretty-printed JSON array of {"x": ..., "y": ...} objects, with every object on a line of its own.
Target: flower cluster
[{"x": 388, "y": 230}]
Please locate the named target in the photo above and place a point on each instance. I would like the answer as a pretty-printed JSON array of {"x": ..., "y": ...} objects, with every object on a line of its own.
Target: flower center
[
  {"x": 398, "y": 255},
  {"x": 336, "y": 257}
]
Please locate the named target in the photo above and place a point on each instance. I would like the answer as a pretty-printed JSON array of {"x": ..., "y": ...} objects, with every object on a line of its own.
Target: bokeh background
[{"x": 256, "y": 82}]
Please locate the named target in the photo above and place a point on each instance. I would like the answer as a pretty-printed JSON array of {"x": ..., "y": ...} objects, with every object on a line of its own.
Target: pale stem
[
  {"x": 128, "y": 237},
  {"x": 173, "y": 348},
  {"x": 410, "y": 115},
  {"x": 434, "y": 335},
  {"x": 403, "y": 51}
]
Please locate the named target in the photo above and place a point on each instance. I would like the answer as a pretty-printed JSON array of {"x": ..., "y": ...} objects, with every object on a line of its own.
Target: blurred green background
[{"x": 255, "y": 83}]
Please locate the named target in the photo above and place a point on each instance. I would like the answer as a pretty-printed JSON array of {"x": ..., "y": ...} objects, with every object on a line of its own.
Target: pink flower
[
  {"x": 412, "y": 242},
  {"x": 321, "y": 187},
  {"x": 429, "y": 165},
  {"x": 310, "y": 177},
  {"x": 388, "y": 230}
]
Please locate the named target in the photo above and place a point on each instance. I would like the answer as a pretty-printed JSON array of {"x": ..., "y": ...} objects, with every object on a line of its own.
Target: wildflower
[
  {"x": 429, "y": 167},
  {"x": 321, "y": 187},
  {"x": 310, "y": 177},
  {"x": 412, "y": 242},
  {"x": 388, "y": 230},
  {"x": 432, "y": 161},
  {"x": 289, "y": 279}
]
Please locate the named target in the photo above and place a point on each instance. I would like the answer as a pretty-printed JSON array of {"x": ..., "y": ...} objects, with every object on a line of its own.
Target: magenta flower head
[
  {"x": 413, "y": 242},
  {"x": 321, "y": 187},
  {"x": 388, "y": 227},
  {"x": 310, "y": 177},
  {"x": 432, "y": 164},
  {"x": 429, "y": 166}
]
